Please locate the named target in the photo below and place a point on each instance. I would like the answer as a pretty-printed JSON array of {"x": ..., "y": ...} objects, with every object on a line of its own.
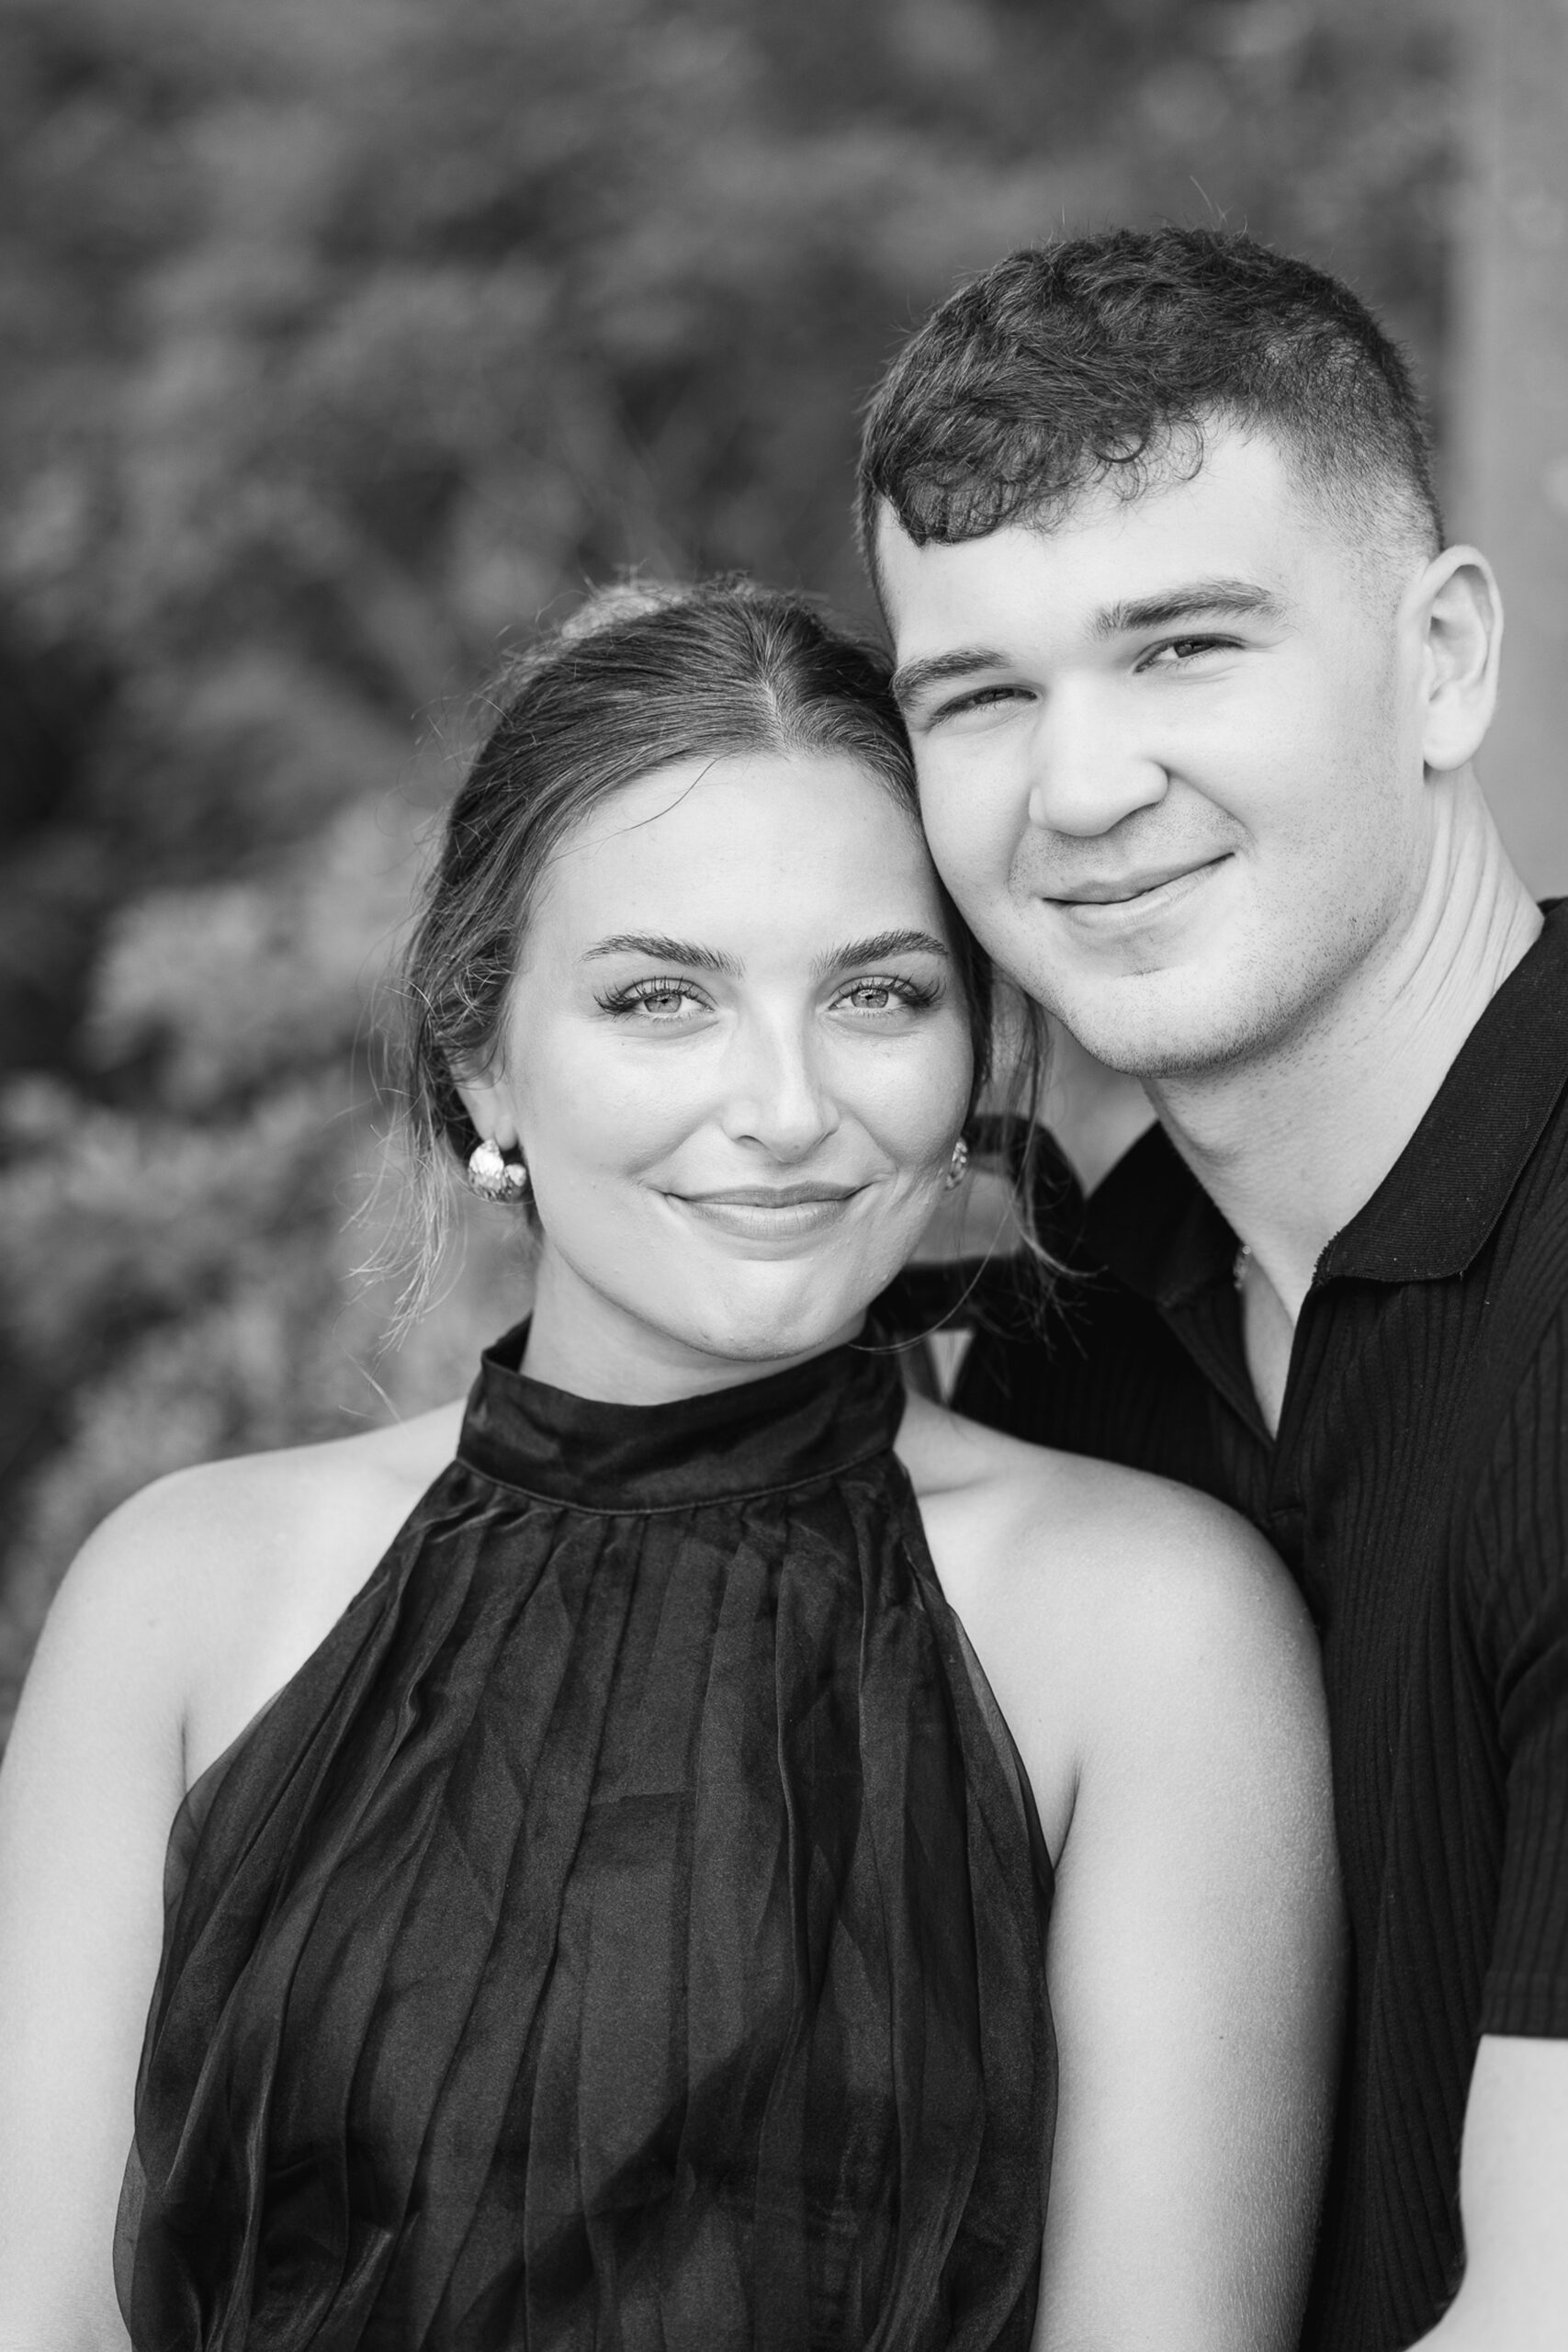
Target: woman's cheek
[
  {"x": 913, "y": 1106},
  {"x": 607, "y": 1113}
]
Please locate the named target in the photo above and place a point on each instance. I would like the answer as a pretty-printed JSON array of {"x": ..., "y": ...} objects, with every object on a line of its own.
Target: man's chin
[{"x": 1152, "y": 1032}]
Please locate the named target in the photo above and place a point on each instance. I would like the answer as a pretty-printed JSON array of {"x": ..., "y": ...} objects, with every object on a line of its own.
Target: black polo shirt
[{"x": 1418, "y": 1489}]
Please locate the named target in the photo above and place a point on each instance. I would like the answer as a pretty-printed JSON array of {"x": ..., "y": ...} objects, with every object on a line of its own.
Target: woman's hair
[{"x": 638, "y": 679}]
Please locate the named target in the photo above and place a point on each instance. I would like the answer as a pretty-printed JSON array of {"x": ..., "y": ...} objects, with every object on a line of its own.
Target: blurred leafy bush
[{"x": 348, "y": 337}]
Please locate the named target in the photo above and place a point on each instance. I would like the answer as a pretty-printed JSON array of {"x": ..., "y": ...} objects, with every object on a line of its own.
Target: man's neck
[{"x": 1291, "y": 1146}]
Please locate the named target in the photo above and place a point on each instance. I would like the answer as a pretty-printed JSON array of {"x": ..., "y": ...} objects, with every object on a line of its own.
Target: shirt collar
[
  {"x": 1152, "y": 1223},
  {"x": 1156, "y": 1228}
]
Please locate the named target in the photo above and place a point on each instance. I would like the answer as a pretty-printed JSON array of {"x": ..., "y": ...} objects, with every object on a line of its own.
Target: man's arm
[{"x": 1514, "y": 2203}]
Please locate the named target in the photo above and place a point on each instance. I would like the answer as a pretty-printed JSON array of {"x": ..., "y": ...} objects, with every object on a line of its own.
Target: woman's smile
[
  {"x": 739, "y": 1053},
  {"x": 771, "y": 1213}
]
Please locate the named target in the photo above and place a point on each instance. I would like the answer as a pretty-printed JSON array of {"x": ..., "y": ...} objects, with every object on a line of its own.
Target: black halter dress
[{"x": 625, "y": 1932}]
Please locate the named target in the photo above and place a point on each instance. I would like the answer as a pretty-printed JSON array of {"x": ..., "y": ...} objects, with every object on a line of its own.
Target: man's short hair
[{"x": 1101, "y": 360}]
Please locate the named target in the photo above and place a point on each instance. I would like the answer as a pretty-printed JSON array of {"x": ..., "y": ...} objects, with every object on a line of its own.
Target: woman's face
[{"x": 736, "y": 1059}]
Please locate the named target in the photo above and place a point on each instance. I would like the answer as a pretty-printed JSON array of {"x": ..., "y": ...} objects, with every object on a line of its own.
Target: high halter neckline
[
  {"x": 627, "y": 1923},
  {"x": 813, "y": 1421}
]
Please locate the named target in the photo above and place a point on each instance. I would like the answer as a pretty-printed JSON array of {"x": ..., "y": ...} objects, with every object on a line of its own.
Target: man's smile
[{"x": 1110, "y": 901}]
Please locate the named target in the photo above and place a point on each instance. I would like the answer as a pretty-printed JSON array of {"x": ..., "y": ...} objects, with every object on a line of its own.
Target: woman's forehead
[{"x": 740, "y": 834}]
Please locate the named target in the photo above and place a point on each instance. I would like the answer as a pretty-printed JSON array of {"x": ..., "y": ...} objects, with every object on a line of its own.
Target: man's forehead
[
  {"x": 1235, "y": 520},
  {"x": 1212, "y": 451}
]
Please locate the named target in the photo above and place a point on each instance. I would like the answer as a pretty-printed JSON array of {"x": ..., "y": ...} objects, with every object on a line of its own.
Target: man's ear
[{"x": 1460, "y": 614}]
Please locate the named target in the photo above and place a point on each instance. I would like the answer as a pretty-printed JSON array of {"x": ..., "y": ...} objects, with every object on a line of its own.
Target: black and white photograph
[{"x": 784, "y": 1176}]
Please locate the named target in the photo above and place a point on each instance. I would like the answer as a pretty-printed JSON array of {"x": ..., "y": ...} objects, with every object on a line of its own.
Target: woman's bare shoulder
[
  {"x": 211, "y": 1585},
  {"x": 1095, "y": 1594},
  {"x": 1065, "y": 1517},
  {"x": 220, "y": 1519}
]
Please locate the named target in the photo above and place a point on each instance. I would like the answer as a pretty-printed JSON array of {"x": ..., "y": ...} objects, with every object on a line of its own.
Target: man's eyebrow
[
  {"x": 662, "y": 950},
  {"x": 1189, "y": 601},
  {"x": 914, "y": 679},
  {"x": 1192, "y": 600},
  {"x": 878, "y": 948}
]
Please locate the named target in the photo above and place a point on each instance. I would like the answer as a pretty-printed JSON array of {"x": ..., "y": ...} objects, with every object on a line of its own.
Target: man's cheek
[{"x": 967, "y": 842}]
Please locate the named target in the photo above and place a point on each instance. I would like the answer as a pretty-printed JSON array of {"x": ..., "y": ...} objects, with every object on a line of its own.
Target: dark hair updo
[{"x": 640, "y": 679}]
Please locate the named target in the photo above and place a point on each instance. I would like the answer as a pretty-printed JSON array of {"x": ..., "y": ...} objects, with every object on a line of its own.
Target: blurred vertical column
[{"x": 1508, "y": 392}]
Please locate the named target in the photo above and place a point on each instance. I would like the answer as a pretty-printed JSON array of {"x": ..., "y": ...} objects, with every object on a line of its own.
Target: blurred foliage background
[{"x": 348, "y": 337}]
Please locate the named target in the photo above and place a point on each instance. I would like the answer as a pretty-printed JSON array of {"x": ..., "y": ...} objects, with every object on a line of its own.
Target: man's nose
[
  {"x": 1088, "y": 771},
  {"x": 776, "y": 1093}
]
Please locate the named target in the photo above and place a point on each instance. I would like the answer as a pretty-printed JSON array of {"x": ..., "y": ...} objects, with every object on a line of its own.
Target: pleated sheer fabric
[{"x": 625, "y": 1931}]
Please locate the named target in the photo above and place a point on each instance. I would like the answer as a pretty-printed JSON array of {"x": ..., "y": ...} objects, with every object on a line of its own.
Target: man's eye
[
  {"x": 1179, "y": 649},
  {"x": 982, "y": 698}
]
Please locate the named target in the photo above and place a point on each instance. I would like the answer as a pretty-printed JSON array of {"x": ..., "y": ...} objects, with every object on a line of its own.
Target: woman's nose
[
  {"x": 1087, "y": 769},
  {"x": 776, "y": 1093}
]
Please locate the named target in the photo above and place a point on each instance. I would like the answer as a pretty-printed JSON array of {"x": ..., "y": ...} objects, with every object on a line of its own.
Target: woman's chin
[
  {"x": 769, "y": 1322},
  {"x": 735, "y": 1311},
  {"x": 760, "y": 1340}
]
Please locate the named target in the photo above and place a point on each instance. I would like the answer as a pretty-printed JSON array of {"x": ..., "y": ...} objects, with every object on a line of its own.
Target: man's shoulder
[
  {"x": 1098, "y": 1370},
  {"x": 1525, "y": 1270},
  {"x": 1539, "y": 1201}
]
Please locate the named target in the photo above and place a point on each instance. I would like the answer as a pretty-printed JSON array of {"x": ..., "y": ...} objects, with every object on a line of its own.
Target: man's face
[{"x": 1169, "y": 756}]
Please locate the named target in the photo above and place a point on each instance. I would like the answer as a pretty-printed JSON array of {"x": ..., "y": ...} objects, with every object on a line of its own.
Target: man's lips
[{"x": 1119, "y": 889}]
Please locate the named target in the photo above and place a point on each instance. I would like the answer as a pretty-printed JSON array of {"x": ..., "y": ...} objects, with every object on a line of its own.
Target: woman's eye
[
  {"x": 891, "y": 993},
  {"x": 662, "y": 1001}
]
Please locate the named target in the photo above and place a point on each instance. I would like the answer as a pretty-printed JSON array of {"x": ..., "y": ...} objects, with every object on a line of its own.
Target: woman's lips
[{"x": 765, "y": 1212}]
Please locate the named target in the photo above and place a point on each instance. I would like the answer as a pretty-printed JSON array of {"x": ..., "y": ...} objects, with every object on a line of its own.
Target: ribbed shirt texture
[{"x": 1419, "y": 1491}]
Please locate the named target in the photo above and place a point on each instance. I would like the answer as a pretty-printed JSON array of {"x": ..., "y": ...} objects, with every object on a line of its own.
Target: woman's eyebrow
[
  {"x": 878, "y": 948},
  {"x": 662, "y": 950}
]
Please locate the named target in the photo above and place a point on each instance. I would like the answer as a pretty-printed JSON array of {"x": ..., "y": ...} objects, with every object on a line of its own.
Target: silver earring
[
  {"x": 493, "y": 1177},
  {"x": 958, "y": 1165}
]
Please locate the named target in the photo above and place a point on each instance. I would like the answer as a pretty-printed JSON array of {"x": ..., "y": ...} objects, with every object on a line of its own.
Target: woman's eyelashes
[
  {"x": 664, "y": 1000},
  {"x": 879, "y": 993},
  {"x": 668, "y": 1002}
]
